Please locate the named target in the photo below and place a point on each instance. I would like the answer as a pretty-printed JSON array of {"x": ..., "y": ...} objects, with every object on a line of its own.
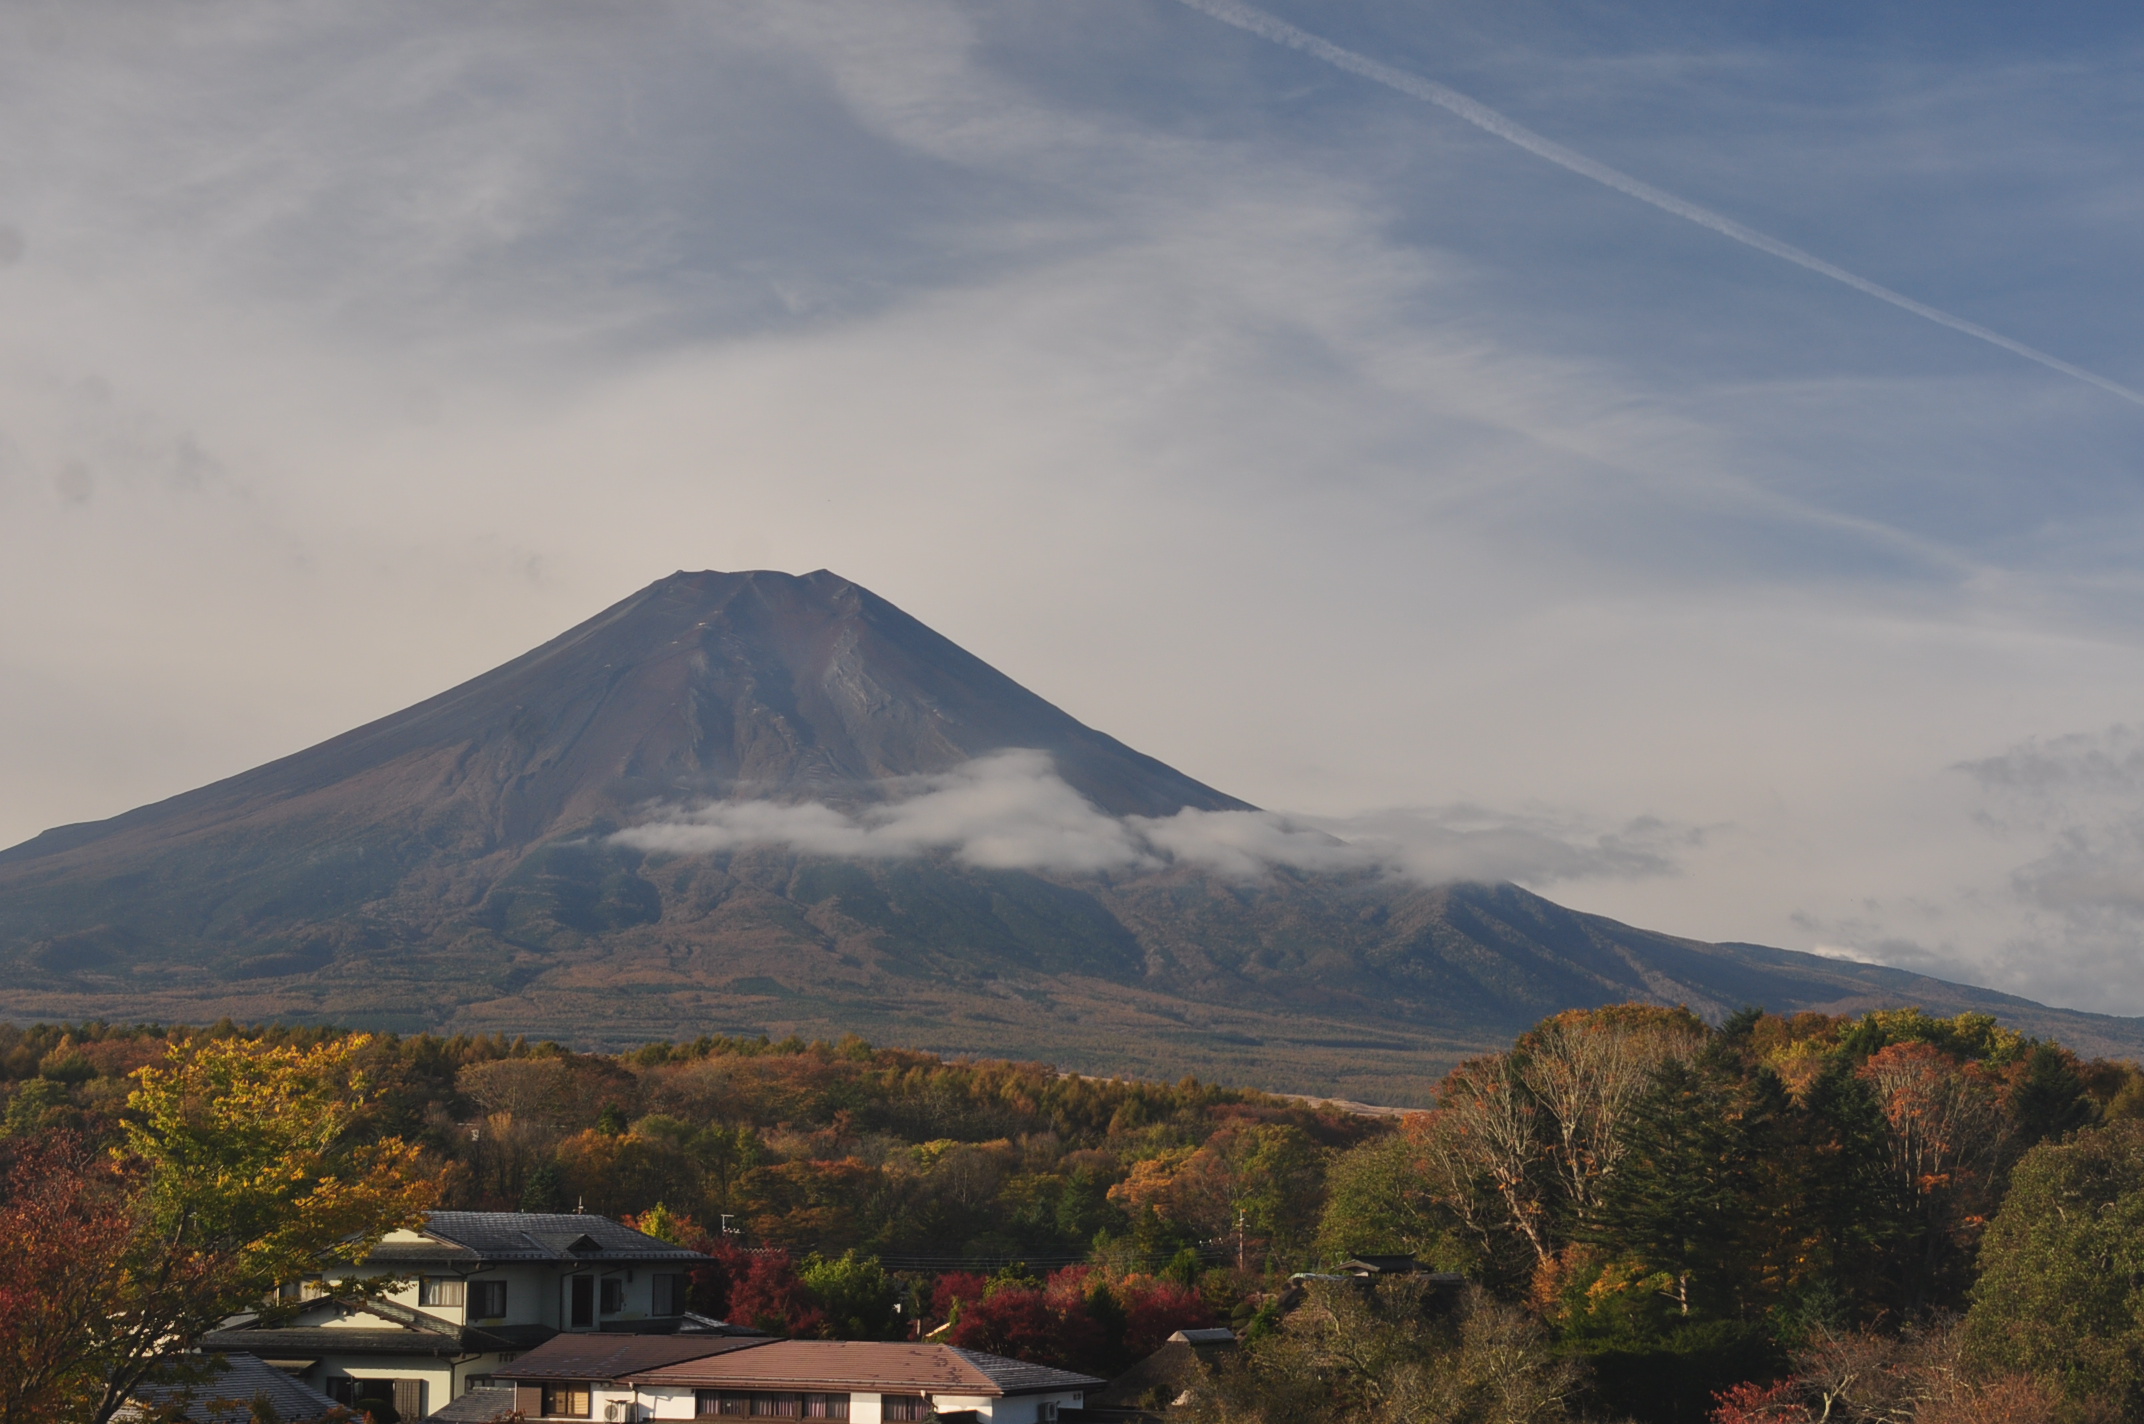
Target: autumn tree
[
  {"x": 1523, "y": 1145},
  {"x": 241, "y": 1166},
  {"x": 1585, "y": 1071},
  {"x": 1482, "y": 1151},
  {"x": 1263, "y": 1178},
  {"x": 1913, "y": 1376},
  {"x": 1947, "y": 1147},
  {"x": 1394, "y": 1354},
  {"x": 70, "y": 1213}
]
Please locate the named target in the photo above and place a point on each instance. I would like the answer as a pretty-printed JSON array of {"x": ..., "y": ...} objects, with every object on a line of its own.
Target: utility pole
[{"x": 1240, "y": 1258}]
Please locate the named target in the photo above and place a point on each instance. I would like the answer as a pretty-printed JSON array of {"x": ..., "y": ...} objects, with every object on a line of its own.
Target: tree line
[{"x": 1885, "y": 1216}]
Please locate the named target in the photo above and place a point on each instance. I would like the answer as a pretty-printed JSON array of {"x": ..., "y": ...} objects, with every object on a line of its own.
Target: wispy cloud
[
  {"x": 2078, "y": 801},
  {"x": 1011, "y": 811},
  {"x": 1533, "y": 848},
  {"x": 1003, "y": 812},
  {"x": 1271, "y": 27}
]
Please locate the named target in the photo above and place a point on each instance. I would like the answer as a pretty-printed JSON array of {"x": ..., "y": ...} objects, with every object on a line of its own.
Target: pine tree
[{"x": 1681, "y": 1204}]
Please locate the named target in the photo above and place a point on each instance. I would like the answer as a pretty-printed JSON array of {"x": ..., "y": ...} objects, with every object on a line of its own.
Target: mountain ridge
[{"x": 455, "y": 866}]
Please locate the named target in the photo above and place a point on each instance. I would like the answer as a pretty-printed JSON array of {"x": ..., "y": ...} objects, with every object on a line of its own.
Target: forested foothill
[{"x": 1887, "y": 1217}]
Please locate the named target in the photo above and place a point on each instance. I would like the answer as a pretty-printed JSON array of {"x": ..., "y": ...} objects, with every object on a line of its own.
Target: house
[
  {"x": 1369, "y": 1270},
  {"x": 476, "y": 1288},
  {"x": 864, "y": 1382},
  {"x": 232, "y": 1395},
  {"x": 1160, "y": 1380}
]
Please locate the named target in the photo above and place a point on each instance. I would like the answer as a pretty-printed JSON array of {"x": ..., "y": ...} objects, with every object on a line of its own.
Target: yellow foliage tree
[{"x": 252, "y": 1169}]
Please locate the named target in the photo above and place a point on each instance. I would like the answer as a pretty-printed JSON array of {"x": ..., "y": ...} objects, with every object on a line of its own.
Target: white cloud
[
  {"x": 1532, "y": 848},
  {"x": 1012, "y": 811},
  {"x": 1002, "y": 812}
]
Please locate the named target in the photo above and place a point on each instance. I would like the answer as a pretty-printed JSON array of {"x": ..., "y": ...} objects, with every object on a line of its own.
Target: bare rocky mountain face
[{"x": 455, "y": 866}]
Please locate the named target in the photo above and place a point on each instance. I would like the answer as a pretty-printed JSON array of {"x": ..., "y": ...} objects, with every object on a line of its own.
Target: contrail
[{"x": 1271, "y": 27}]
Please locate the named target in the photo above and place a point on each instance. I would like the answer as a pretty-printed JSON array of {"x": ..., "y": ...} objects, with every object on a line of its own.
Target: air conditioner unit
[{"x": 615, "y": 1411}]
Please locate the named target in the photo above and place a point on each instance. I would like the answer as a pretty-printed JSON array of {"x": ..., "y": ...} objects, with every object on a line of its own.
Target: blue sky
[{"x": 1287, "y": 427}]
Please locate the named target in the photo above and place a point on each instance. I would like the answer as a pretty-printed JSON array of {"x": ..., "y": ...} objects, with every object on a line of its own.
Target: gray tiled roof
[
  {"x": 474, "y": 1236},
  {"x": 289, "y": 1341},
  {"x": 477, "y": 1406},
  {"x": 227, "y": 1398},
  {"x": 1019, "y": 1377}
]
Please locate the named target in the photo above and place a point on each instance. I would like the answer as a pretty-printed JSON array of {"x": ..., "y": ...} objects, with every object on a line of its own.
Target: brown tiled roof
[
  {"x": 867, "y": 1365},
  {"x": 609, "y": 1357}
]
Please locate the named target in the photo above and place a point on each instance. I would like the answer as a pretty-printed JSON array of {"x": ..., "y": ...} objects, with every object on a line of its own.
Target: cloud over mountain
[{"x": 1012, "y": 811}]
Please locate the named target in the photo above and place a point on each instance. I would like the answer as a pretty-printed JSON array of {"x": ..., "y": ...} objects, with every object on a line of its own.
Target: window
[
  {"x": 735, "y": 1404},
  {"x": 440, "y": 1290},
  {"x": 487, "y": 1300},
  {"x": 613, "y": 1296},
  {"x": 405, "y": 1395},
  {"x": 583, "y": 1310},
  {"x": 905, "y": 1407},
  {"x": 567, "y": 1400},
  {"x": 670, "y": 1295}
]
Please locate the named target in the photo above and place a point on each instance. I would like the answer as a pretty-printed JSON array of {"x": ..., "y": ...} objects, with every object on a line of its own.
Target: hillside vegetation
[{"x": 1671, "y": 1221}]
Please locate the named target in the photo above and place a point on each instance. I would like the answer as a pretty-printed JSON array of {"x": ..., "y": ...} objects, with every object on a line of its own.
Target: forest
[{"x": 1885, "y": 1217}]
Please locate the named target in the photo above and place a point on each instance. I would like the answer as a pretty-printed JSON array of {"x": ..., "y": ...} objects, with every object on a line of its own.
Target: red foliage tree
[
  {"x": 68, "y": 1218},
  {"x": 956, "y": 1287},
  {"x": 1027, "y": 1324},
  {"x": 1761, "y": 1404},
  {"x": 766, "y": 1293},
  {"x": 1012, "y": 1320},
  {"x": 1154, "y": 1310}
]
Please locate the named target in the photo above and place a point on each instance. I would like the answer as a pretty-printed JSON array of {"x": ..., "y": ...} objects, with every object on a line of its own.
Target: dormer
[{"x": 578, "y": 1243}]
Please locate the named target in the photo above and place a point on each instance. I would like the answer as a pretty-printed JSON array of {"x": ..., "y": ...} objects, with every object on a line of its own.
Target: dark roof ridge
[
  {"x": 525, "y": 1235},
  {"x": 404, "y": 1315}
]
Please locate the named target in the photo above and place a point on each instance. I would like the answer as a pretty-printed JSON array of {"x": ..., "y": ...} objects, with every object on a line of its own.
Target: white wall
[{"x": 678, "y": 1403}]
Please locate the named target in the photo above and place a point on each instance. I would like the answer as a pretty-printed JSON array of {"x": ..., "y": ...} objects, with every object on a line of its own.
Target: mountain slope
[{"x": 452, "y": 866}]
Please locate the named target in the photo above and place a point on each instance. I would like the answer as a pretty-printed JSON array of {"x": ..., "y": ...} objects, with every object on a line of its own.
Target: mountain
[{"x": 456, "y": 865}]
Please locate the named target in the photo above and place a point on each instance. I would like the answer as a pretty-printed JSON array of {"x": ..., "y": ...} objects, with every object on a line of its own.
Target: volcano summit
[{"x": 762, "y": 802}]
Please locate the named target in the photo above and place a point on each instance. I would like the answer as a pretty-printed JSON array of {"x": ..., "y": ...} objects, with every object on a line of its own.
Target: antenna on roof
[{"x": 577, "y": 1210}]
